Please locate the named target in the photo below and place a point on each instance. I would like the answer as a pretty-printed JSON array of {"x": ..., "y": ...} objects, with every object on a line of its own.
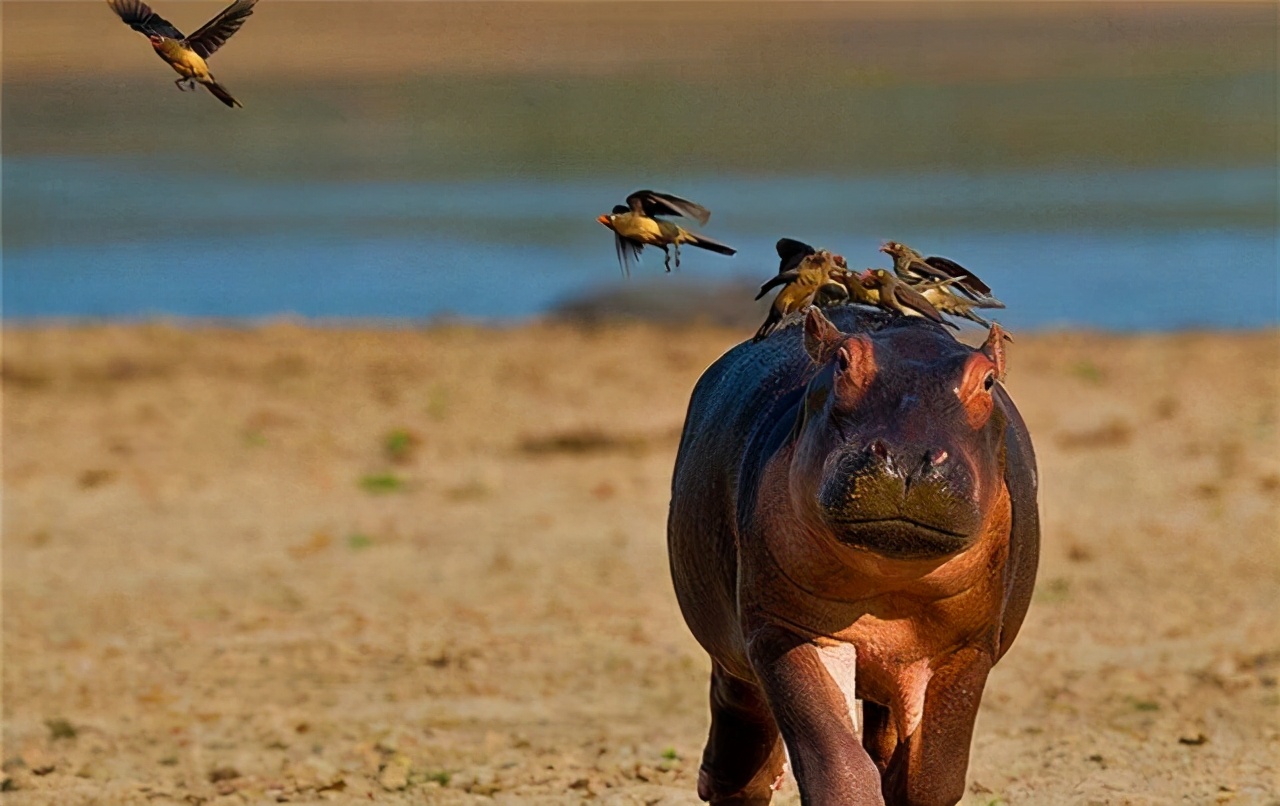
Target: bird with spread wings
[
  {"x": 636, "y": 225},
  {"x": 187, "y": 55}
]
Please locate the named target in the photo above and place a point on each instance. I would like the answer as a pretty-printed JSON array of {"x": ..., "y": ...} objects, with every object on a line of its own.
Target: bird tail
[
  {"x": 776, "y": 280},
  {"x": 220, "y": 92},
  {"x": 770, "y": 324},
  {"x": 710, "y": 244}
]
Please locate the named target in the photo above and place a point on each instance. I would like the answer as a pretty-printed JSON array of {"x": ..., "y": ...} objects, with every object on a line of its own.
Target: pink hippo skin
[{"x": 852, "y": 515}]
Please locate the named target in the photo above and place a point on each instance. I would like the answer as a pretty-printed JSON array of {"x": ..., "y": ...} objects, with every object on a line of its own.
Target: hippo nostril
[{"x": 937, "y": 457}]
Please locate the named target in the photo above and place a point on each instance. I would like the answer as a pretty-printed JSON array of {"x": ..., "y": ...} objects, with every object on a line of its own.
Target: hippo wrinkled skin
[{"x": 853, "y": 515}]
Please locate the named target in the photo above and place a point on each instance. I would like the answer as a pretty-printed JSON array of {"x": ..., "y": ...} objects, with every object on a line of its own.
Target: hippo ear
[
  {"x": 821, "y": 338},
  {"x": 993, "y": 348}
]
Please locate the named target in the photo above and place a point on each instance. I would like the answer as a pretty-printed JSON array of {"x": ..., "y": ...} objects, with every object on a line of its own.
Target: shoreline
[{"x": 447, "y": 323}]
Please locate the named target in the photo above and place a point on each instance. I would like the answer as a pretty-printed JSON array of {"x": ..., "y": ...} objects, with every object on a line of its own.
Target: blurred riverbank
[{"x": 419, "y": 160}]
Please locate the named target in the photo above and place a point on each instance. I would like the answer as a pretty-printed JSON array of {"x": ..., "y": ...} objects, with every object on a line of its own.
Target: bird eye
[{"x": 989, "y": 381}]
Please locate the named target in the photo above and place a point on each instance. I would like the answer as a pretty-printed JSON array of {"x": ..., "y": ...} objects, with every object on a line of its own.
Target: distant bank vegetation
[{"x": 426, "y": 90}]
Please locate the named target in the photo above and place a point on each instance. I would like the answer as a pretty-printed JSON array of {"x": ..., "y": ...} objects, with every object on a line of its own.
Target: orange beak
[{"x": 604, "y": 219}]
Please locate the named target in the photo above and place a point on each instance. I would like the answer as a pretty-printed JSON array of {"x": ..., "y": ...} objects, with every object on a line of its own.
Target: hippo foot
[{"x": 707, "y": 792}]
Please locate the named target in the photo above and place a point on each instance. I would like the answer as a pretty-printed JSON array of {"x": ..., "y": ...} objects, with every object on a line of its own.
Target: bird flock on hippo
[{"x": 854, "y": 528}]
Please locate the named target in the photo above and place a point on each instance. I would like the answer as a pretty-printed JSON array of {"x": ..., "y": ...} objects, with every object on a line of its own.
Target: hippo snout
[{"x": 912, "y": 501}]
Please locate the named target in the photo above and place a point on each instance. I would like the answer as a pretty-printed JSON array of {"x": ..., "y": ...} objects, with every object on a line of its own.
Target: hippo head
[{"x": 899, "y": 446}]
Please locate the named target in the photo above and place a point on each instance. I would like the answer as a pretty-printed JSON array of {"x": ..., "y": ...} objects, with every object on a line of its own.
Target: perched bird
[
  {"x": 913, "y": 267},
  {"x": 636, "y": 225},
  {"x": 941, "y": 296},
  {"x": 894, "y": 294},
  {"x": 790, "y": 253},
  {"x": 811, "y": 282},
  {"x": 858, "y": 290},
  {"x": 994, "y": 348},
  {"x": 187, "y": 54}
]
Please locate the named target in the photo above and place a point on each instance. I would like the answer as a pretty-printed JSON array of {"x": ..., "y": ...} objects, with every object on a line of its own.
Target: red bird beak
[{"x": 604, "y": 219}]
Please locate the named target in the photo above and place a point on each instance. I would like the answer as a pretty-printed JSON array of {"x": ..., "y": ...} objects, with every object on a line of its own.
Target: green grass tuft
[
  {"x": 399, "y": 445},
  {"x": 379, "y": 483}
]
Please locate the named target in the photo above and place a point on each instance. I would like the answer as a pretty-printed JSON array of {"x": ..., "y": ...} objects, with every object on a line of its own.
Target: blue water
[{"x": 117, "y": 238}]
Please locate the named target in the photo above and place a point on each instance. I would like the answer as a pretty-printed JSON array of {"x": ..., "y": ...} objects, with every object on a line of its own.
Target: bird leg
[
  {"x": 185, "y": 83},
  {"x": 677, "y": 248},
  {"x": 666, "y": 259}
]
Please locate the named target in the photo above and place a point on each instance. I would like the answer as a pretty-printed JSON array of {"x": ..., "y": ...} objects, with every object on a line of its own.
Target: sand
[{"x": 287, "y": 564}]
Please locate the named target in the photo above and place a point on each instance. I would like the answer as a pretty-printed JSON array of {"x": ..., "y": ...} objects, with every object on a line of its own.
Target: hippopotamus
[{"x": 853, "y": 522}]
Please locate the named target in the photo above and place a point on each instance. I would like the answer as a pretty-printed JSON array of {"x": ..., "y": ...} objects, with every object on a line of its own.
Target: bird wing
[
  {"x": 918, "y": 269},
  {"x": 139, "y": 16},
  {"x": 628, "y": 250},
  {"x": 967, "y": 280},
  {"x": 777, "y": 280},
  {"x": 214, "y": 33},
  {"x": 791, "y": 252},
  {"x": 914, "y": 300},
  {"x": 653, "y": 203}
]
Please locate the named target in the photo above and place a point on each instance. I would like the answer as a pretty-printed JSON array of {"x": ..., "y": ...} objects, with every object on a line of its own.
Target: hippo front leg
[
  {"x": 817, "y": 723},
  {"x": 744, "y": 756},
  {"x": 929, "y": 768}
]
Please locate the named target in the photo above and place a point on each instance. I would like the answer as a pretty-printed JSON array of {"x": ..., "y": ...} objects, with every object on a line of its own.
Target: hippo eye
[
  {"x": 989, "y": 381},
  {"x": 842, "y": 360}
]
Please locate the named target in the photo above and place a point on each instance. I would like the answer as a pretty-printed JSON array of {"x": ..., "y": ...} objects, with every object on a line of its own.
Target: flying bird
[
  {"x": 914, "y": 267},
  {"x": 811, "y": 282},
  {"x": 636, "y": 225},
  {"x": 187, "y": 55}
]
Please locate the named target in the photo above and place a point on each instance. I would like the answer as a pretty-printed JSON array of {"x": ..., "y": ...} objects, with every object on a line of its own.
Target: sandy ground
[{"x": 287, "y": 564}]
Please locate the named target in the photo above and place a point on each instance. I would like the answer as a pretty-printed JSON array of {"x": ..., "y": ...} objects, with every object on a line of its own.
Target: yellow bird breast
[
  {"x": 185, "y": 62},
  {"x": 639, "y": 228}
]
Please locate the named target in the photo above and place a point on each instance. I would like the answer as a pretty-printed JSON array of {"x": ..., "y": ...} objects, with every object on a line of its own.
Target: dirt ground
[{"x": 292, "y": 564}]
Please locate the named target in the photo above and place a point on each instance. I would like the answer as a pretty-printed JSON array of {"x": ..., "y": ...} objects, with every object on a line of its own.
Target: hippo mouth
[{"x": 900, "y": 538}]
